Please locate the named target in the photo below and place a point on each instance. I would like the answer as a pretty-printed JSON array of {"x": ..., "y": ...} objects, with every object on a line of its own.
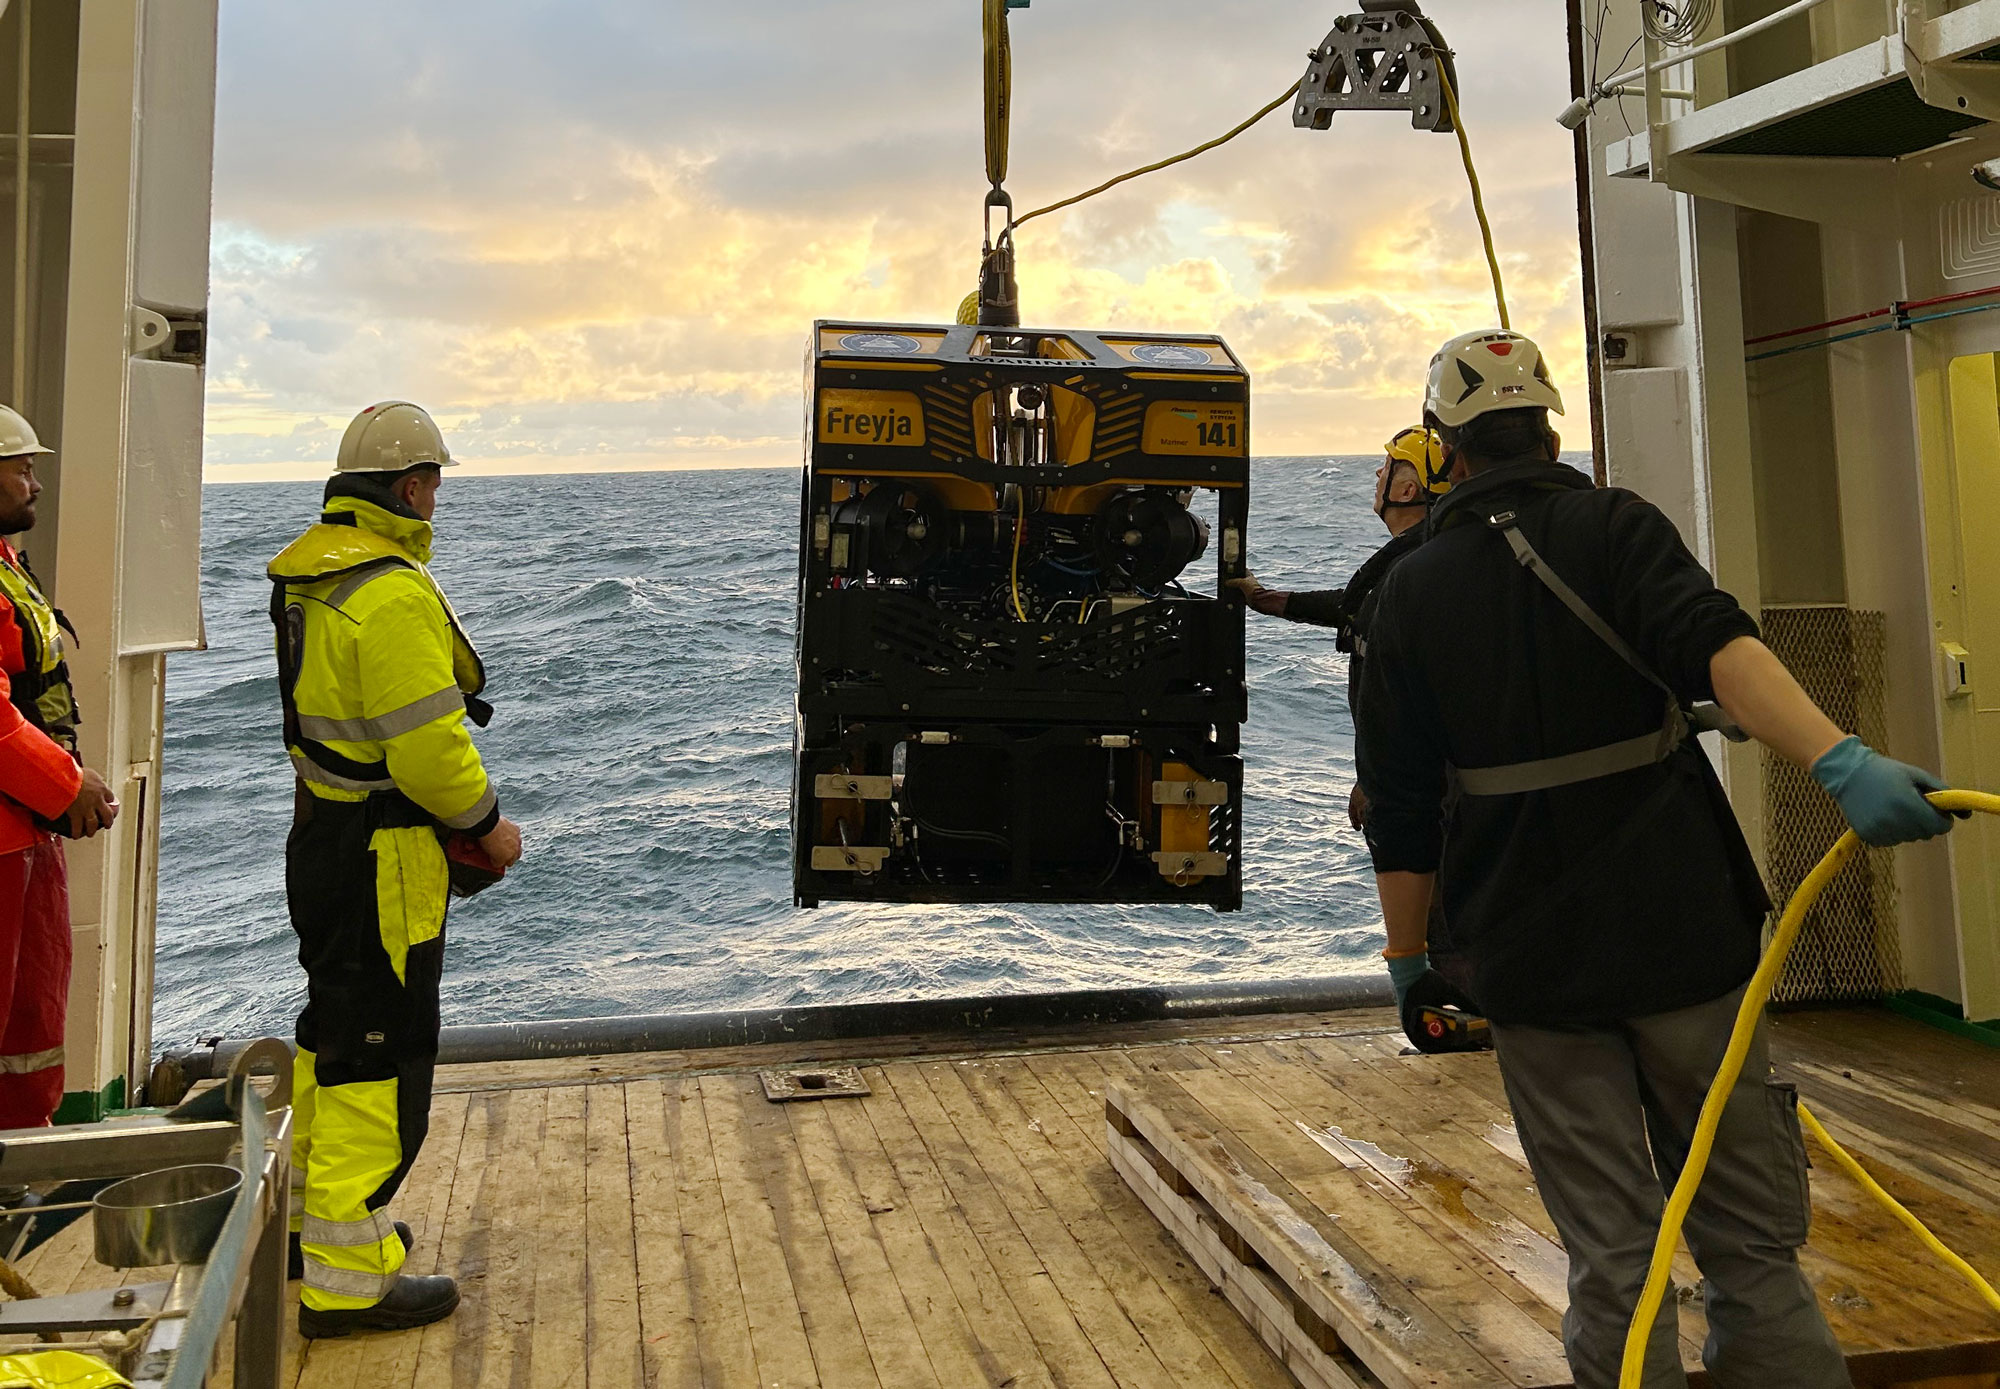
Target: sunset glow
[{"x": 595, "y": 236}]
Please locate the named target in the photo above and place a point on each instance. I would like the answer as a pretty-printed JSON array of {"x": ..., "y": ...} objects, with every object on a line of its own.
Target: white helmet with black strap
[{"x": 1479, "y": 373}]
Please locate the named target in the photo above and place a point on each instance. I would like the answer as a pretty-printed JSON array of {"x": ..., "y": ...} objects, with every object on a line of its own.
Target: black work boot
[
  {"x": 414, "y": 1299},
  {"x": 295, "y": 1257}
]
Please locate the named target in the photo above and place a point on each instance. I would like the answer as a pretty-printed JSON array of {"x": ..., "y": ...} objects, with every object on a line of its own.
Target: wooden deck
[
  {"x": 655, "y": 1221},
  {"x": 1373, "y": 1216}
]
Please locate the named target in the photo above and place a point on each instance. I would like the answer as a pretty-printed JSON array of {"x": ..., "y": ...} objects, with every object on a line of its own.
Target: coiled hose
[{"x": 1755, "y": 995}]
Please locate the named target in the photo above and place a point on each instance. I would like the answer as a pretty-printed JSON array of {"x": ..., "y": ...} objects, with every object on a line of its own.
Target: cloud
[{"x": 602, "y": 231}]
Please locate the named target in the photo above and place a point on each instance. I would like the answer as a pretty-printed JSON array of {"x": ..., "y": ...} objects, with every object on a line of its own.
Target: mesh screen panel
[{"x": 1848, "y": 948}]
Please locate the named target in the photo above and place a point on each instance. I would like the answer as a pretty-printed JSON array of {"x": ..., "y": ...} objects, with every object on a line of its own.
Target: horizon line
[{"x": 242, "y": 474}]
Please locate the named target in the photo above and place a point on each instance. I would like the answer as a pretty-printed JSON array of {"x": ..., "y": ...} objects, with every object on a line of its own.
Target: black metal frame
[{"x": 885, "y": 676}]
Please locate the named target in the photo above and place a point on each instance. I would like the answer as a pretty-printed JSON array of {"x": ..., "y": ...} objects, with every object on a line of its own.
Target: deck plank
[
  {"x": 668, "y": 1332},
  {"x": 458, "y": 1242},
  {"x": 881, "y": 1301},
  {"x": 855, "y": 1178},
  {"x": 555, "y": 1220},
  {"x": 1435, "y": 1097},
  {"x": 611, "y": 1264},
  {"x": 770, "y": 1299},
  {"x": 1375, "y": 1315},
  {"x": 424, "y": 1204},
  {"x": 494, "y": 1329},
  {"x": 1446, "y": 1202},
  {"x": 1919, "y": 1059},
  {"x": 1841, "y": 1255},
  {"x": 1004, "y": 1345},
  {"x": 1388, "y": 1219},
  {"x": 826, "y": 1303},
  {"x": 1069, "y": 1093},
  {"x": 1095, "y": 1296},
  {"x": 1072, "y": 1355},
  {"x": 1024, "y": 1128},
  {"x": 1177, "y": 1296},
  {"x": 715, "y": 1284}
]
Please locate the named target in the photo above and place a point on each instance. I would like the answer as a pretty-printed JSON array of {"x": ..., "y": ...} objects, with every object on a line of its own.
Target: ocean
[{"x": 638, "y": 632}]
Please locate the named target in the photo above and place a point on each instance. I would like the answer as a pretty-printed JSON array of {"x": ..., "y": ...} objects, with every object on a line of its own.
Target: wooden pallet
[{"x": 1373, "y": 1219}]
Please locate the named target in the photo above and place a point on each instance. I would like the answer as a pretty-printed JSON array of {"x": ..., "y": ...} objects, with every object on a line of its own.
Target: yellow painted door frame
[{"x": 1962, "y": 509}]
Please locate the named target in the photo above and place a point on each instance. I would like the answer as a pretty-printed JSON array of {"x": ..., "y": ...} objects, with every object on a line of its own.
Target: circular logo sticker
[
  {"x": 1172, "y": 354},
  {"x": 881, "y": 344}
]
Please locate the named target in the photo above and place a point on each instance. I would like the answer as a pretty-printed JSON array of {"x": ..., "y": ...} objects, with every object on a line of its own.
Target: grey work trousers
[{"x": 1586, "y": 1101}]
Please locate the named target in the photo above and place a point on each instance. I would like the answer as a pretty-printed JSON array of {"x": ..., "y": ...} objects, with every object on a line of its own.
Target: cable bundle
[{"x": 1676, "y": 22}]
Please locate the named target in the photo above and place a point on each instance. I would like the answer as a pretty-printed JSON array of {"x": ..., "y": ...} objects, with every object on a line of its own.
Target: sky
[{"x": 594, "y": 236}]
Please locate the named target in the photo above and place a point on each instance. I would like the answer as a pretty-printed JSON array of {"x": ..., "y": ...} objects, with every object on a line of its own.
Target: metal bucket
[{"x": 167, "y": 1217}]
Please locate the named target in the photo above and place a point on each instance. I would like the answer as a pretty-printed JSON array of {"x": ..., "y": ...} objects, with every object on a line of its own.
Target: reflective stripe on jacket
[
  {"x": 39, "y": 775},
  {"x": 377, "y": 666}
]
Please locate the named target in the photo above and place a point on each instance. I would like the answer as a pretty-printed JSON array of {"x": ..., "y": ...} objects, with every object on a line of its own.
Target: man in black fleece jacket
[{"x": 1590, "y": 864}]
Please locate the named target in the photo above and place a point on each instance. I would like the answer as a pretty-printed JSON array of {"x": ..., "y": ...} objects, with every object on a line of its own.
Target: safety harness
[
  {"x": 41, "y": 691},
  {"x": 290, "y": 621},
  {"x": 1627, "y": 755}
]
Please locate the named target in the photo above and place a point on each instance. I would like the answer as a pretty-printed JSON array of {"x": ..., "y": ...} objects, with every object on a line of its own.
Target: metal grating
[
  {"x": 1881, "y": 123},
  {"x": 1849, "y": 948}
]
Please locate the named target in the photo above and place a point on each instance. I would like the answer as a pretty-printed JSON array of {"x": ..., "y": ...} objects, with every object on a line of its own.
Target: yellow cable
[
  {"x": 1014, "y": 571},
  {"x": 1203, "y": 148},
  {"x": 1755, "y": 995},
  {"x": 1896, "y": 1208},
  {"x": 1472, "y": 177}
]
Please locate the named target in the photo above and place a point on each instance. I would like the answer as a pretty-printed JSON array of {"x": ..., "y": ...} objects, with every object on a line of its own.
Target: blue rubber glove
[
  {"x": 1406, "y": 970},
  {"x": 1882, "y": 798}
]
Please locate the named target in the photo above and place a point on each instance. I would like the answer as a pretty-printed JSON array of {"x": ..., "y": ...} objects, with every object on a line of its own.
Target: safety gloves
[
  {"x": 1882, "y": 798},
  {"x": 1405, "y": 970}
]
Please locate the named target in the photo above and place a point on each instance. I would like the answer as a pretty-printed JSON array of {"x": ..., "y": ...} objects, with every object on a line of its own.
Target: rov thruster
[{"x": 1010, "y": 685}]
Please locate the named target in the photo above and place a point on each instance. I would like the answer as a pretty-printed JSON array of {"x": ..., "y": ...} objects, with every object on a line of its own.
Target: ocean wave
[{"x": 640, "y": 645}]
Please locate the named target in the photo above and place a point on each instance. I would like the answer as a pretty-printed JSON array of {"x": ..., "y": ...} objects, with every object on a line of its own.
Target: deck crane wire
[
  {"x": 1755, "y": 994},
  {"x": 999, "y": 62}
]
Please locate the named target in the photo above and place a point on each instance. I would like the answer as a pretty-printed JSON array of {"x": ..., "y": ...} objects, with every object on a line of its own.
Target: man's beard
[{"x": 15, "y": 520}]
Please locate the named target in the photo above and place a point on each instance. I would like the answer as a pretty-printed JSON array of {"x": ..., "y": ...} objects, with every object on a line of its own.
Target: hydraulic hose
[{"x": 1755, "y": 995}]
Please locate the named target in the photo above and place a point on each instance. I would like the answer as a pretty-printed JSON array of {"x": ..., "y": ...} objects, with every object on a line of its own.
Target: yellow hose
[
  {"x": 1478, "y": 201},
  {"x": 1755, "y": 995},
  {"x": 1896, "y": 1208}
]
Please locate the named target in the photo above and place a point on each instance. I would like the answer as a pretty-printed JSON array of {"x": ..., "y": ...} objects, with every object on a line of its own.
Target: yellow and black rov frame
[{"x": 1005, "y": 690}]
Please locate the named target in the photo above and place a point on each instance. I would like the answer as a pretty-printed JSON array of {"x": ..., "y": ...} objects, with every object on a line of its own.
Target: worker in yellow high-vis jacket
[{"x": 377, "y": 680}]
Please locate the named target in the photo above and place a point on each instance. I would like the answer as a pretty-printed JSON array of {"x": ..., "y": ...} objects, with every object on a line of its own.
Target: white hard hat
[
  {"x": 1476, "y": 373},
  {"x": 17, "y": 436},
  {"x": 388, "y": 437}
]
